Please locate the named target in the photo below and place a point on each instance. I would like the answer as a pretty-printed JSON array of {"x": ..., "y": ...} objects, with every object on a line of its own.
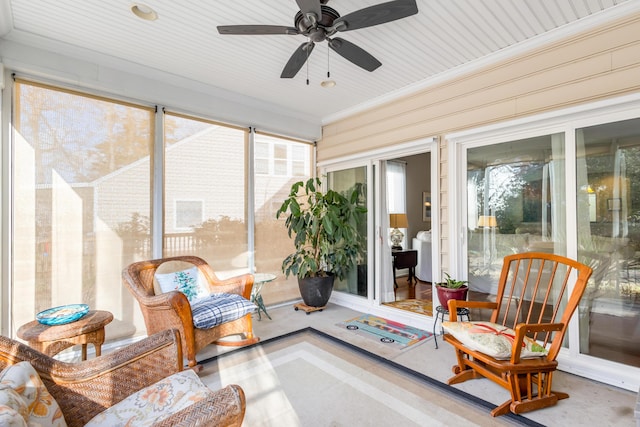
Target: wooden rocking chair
[{"x": 537, "y": 295}]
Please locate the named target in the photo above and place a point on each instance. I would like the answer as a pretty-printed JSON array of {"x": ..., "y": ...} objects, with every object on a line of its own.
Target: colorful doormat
[
  {"x": 387, "y": 331},
  {"x": 413, "y": 305}
]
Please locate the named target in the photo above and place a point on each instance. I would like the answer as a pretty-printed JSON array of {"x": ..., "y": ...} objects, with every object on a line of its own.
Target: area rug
[
  {"x": 386, "y": 331},
  {"x": 308, "y": 378},
  {"x": 413, "y": 305}
]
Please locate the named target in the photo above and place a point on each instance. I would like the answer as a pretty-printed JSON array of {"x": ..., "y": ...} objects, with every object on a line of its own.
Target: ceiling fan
[{"x": 319, "y": 22}]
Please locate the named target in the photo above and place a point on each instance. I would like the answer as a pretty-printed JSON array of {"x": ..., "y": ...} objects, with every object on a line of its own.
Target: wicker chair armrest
[
  {"x": 171, "y": 299},
  {"x": 224, "y": 407},
  {"x": 455, "y": 304},
  {"x": 241, "y": 285}
]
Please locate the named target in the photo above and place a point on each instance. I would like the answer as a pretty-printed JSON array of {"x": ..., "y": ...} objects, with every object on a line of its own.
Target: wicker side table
[{"x": 51, "y": 340}]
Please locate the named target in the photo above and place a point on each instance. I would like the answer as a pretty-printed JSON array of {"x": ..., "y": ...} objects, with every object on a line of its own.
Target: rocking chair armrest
[
  {"x": 521, "y": 331},
  {"x": 241, "y": 285},
  {"x": 539, "y": 327},
  {"x": 454, "y": 305}
]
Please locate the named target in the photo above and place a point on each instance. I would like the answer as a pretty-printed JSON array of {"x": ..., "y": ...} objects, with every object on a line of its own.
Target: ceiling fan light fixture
[
  {"x": 328, "y": 83},
  {"x": 143, "y": 11}
]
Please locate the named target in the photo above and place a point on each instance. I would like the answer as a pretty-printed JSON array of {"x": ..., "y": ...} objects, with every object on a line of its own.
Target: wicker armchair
[
  {"x": 172, "y": 310},
  {"x": 85, "y": 389}
]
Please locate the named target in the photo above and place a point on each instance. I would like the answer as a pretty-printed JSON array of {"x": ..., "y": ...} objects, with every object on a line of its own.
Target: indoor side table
[
  {"x": 51, "y": 340},
  {"x": 259, "y": 279},
  {"x": 405, "y": 259},
  {"x": 440, "y": 312}
]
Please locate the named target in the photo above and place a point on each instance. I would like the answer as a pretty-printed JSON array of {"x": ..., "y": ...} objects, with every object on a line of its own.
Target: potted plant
[
  {"x": 451, "y": 289},
  {"x": 327, "y": 242}
]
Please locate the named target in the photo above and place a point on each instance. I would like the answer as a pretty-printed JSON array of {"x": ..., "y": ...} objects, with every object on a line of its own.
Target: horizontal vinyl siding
[{"x": 598, "y": 64}]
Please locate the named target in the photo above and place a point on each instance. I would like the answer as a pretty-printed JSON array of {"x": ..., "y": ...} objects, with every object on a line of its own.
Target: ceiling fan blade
[
  {"x": 353, "y": 53},
  {"x": 256, "y": 29},
  {"x": 310, "y": 6},
  {"x": 376, "y": 15},
  {"x": 297, "y": 60}
]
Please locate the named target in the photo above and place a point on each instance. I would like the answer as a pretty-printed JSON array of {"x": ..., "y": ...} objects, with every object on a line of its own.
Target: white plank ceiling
[{"x": 444, "y": 37}]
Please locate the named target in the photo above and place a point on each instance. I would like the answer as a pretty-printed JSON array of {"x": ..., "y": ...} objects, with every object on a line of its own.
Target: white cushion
[
  {"x": 216, "y": 309},
  {"x": 492, "y": 339},
  {"x": 155, "y": 402},
  {"x": 189, "y": 282},
  {"x": 425, "y": 236},
  {"x": 42, "y": 409}
]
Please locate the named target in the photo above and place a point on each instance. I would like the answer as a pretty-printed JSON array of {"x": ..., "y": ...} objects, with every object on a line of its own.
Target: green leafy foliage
[
  {"x": 324, "y": 227},
  {"x": 452, "y": 283}
]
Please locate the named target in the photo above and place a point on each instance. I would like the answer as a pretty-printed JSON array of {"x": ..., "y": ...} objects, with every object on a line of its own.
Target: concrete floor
[{"x": 591, "y": 403}]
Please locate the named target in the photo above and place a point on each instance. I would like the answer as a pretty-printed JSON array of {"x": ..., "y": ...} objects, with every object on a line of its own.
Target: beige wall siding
[
  {"x": 598, "y": 64},
  {"x": 594, "y": 65}
]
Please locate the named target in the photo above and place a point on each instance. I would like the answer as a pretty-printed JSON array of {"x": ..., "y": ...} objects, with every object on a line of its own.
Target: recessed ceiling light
[
  {"x": 328, "y": 83},
  {"x": 143, "y": 11}
]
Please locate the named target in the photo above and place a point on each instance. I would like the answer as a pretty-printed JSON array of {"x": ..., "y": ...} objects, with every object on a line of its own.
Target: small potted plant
[
  {"x": 451, "y": 289},
  {"x": 326, "y": 237}
]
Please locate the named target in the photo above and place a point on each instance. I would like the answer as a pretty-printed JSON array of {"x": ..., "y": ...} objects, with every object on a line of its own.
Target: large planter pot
[
  {"x": 316, "y": 291},
  {"x": 445, "y": 294}
]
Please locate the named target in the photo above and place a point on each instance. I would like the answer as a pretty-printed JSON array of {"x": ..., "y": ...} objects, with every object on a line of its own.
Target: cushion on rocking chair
[
  {"x": 492, "y": 339},
  {"x": 216, "y": 309}
]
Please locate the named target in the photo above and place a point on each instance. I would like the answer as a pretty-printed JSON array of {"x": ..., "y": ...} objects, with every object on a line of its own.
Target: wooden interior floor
[{"x": 421, "y": 290}]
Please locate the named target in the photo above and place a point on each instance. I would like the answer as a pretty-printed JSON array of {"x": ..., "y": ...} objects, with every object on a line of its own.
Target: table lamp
[
  {"x": 397, "y": 221},
  {"x": 487, "y": 221}
]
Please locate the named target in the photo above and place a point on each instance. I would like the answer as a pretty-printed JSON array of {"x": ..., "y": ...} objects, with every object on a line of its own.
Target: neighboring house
[{"x": 216, "y": 156}]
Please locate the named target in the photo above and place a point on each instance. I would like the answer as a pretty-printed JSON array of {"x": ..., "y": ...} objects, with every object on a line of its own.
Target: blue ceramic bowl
[{"x": 63, "y": 314}]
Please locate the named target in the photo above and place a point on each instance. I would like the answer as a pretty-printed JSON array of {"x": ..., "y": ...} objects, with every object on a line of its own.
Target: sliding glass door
[
  {"x": 516, "y": 203},
  {"x": 608, "y": 221},
  {"x": 344, "y": 181}
]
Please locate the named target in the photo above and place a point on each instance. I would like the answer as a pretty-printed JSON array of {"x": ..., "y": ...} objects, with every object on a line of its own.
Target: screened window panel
[
  {"x": 208, "y": 163},
  {"x": 272, "y": 243},
  {"x": 81, "y": 207}
]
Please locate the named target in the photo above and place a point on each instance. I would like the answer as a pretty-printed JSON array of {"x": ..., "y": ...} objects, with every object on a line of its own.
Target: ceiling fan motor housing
[{"x": 317, "y": 31}]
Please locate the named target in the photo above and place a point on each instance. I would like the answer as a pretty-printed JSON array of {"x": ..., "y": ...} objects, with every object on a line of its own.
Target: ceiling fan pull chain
[
  {"x": 307, "y": 63},
  {"x": 328, "y": 69}
]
